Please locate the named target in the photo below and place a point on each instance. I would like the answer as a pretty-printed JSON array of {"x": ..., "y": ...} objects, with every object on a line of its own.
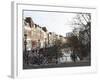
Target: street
[{"x": 68, "y": 64}]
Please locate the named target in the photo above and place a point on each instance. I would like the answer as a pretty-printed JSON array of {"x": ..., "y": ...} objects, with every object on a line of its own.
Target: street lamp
[
  {"x": 45, "y": 42},
  {"x": 25, "y": 42},
  {"x": 48, "y": 39},
  {"x": 39, "y": 51}
]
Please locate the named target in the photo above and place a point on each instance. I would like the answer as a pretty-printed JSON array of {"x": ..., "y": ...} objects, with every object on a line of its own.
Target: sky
[{"x": 53, "y": 21}]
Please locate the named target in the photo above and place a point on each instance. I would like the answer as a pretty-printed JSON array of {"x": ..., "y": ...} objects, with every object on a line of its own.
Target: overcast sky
[{"x": 53, "y": 21}]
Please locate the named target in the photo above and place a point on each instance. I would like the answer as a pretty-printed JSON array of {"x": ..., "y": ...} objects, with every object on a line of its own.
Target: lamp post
[
  {"x": 48, "y": 40},
  {"x": 25, "y": 42},
  {"x": 38, "y": 52},
  {"x": 45, "y": 42}
]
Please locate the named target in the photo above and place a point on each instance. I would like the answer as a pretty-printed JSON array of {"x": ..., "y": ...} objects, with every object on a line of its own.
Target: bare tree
[{"x": 82, "y": 30}]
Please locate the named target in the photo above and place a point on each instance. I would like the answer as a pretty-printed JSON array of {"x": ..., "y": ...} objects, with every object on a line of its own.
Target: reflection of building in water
[{"x": 66, "y": 57}]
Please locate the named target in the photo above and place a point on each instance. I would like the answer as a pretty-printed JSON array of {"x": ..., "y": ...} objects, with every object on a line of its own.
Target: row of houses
[{"x": 37, "y": 36}]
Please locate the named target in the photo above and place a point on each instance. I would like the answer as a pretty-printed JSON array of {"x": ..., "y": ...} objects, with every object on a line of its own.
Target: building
[
  {"x": 39, "y": 37},
  {"x": 27, "y": 36},
  {"x": 70, "y": 34}
]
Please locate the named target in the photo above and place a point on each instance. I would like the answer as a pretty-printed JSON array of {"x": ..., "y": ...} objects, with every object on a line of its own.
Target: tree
[
  {"x": 54, "y": 52},
  {"x": 82, "y": 26},
  {"x": 44, "y": 29},
  {"x": 29, "y": 20},
  {"x": 73, "y": 42}
]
